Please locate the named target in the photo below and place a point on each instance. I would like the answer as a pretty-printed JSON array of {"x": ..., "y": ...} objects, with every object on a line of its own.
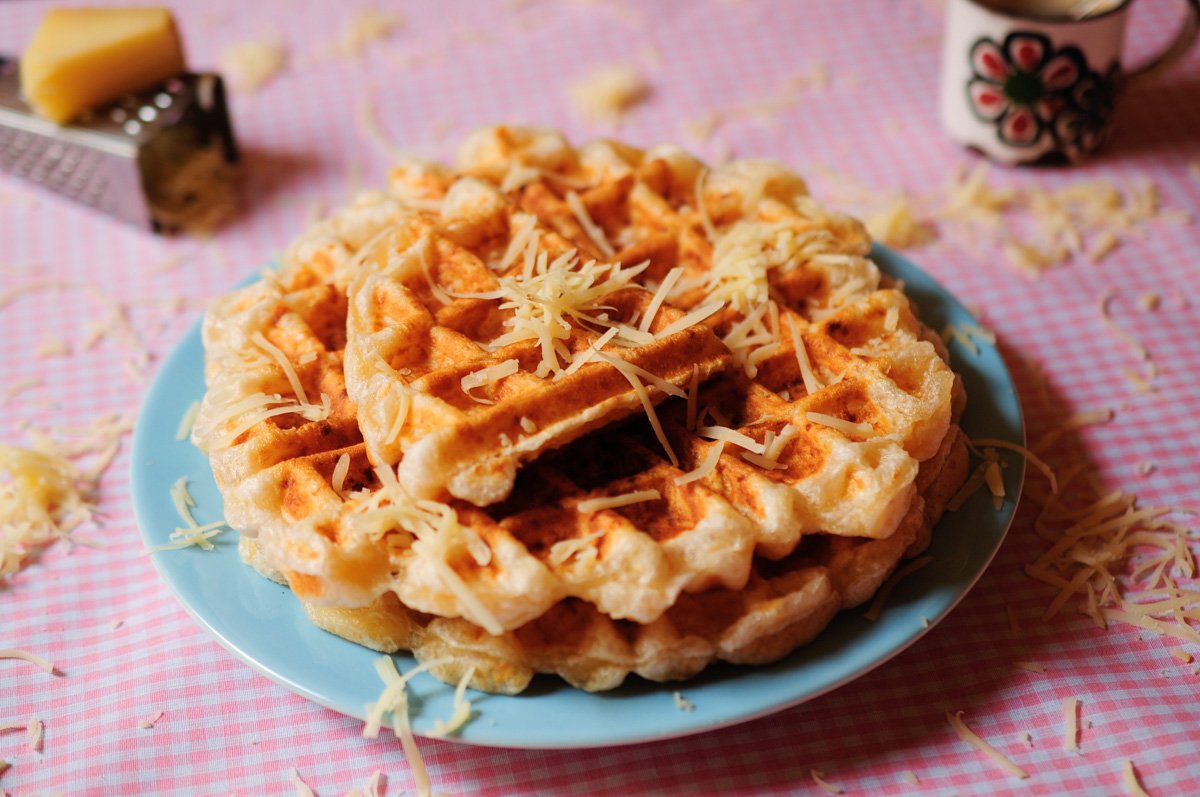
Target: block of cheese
[{"x": 84, "y": 57}]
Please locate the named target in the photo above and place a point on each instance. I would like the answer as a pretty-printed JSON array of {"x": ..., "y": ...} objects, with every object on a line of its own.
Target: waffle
[
  {"x": 429, "y": 470},
  {"x": 783, "y": 605}
]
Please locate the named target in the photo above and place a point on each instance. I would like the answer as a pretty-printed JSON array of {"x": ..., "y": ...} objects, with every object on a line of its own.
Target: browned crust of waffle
[{"x": 783, "y": 606}]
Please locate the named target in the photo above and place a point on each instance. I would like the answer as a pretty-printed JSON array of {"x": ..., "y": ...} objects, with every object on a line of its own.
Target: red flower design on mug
[{"x": 1022, "y": 84}]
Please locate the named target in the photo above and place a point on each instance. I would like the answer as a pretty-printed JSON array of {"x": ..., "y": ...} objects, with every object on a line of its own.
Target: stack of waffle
[{"x": 579, "y": 411}]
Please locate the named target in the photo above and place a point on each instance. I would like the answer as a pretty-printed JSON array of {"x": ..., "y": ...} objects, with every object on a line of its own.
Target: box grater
[{"x": 163, "y": 159}]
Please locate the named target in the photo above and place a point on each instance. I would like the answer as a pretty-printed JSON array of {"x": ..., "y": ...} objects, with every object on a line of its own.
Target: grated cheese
[
  {"x": 607, "y": 93},
  {"x": 460, "y": 713},
  {"x": 394, "y": 700},
  {"x": 876, "y": 607},
  {"x": 631, "y": 376},
  {"x": 36, "y": 730},
  {"x": 15, "y": 389},
  {"x": 593, "y": 230},
  {"x": 819, "y": 779},
  {"x": 145, "y": 723},
  {"x": 1129, "y": 777},
  {"x": 435, "y": 527},
  {"x": 970, "y": 737},
  {"x": 250, "y": 65},
  {"x": 45, "y": 498},
  {"x": 682, "y": 703},
  {"x": 705, "y": 467},
  {"x": 563, "y": 550},
  {"x": 32, "y": 658},
  {"x": 728, "y": 435},
  {"x": 995, "y": 483},
  {"x": 302, "y": 789},
  {"x": 900, "y": 226},
  {"x": 811, "y": 383},
  {"x": 187, "y": 421},
  {"x": 183, "y": 501},
  {"x": 843, "y": 426},
  {"x": 1029, "y": 666},
  {"x": 191, "y": 536},
  {"x": 549, "y": 295},
  {"x": 367, "y": 25},
  {"x": 1070, "y": 724},
  {"x": 584, "y": 357},
  {"x": 1142, "y": 383},
  {"x": 524, "y": 236},
  {"x": 53, "y": 347},
  {"x": 487, "y": 376},
  {"x": 615, "y": 501},
  {"x": 691, "y": 319},
  {"x": 660, "y": 295},
  {"x": 239, "y": 416},
  {"x": 338, "y": 477},
  {"x": 1030, "y": 457}
]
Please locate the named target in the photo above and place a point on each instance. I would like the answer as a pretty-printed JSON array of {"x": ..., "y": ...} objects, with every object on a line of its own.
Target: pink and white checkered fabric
[{"x": 453, "y": 67}]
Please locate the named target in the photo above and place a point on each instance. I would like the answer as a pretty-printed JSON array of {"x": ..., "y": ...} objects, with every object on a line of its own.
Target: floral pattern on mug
[
  {"x": 1024, "y": 85},
  {"x": 1081, "y": 128}
]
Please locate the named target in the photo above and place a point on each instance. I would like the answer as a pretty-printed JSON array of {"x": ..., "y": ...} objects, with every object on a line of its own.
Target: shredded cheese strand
[
  {"x": 32, "y": 658},
  {"x": 1070, "y": 724},
  {"x": 881, "y": 597},
  {"x": 970, "y": 737},
  {"x": 660, "y": 295},
  {"x": 187, "y": 421},
  {"x": 617, "y": 501}
]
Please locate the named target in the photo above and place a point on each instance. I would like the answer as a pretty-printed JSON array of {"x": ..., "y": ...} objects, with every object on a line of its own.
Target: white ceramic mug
[{"x": 1034, "y": 81}]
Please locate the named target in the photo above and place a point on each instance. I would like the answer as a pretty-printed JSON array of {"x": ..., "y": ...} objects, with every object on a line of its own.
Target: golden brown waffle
[
  {"x": 417, "y": 330},
  {"x": 783, "y": 605},
  {"x": 782, "y": 481}
]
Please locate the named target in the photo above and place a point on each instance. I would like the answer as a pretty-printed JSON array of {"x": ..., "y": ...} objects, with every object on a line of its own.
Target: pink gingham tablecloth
[{"x": 127, "y": 650}]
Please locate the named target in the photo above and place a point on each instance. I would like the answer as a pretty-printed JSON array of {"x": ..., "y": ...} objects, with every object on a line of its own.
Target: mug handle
[{"x": 1184, "y": 38}]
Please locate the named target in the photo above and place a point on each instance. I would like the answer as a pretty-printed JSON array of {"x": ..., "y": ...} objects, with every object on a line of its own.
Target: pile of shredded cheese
[
  {"x": 1113, "y": 558},
  {"x": 49, "y": 489},
  {"x": 1036, "y": 227}
]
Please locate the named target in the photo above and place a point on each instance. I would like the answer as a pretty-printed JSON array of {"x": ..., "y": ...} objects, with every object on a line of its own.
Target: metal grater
[{"x": 163, "y": 159}]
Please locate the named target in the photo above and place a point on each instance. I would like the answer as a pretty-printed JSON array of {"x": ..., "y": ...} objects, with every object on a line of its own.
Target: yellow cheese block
[{"x": 84, "y": 57}]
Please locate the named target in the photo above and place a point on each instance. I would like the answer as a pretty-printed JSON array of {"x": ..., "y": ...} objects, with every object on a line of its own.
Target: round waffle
[{"x": 602, "y": 389}]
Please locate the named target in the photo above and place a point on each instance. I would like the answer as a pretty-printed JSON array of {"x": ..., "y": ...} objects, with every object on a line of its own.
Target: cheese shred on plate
[
  {"x": 460, "y": 713},
  {"x": 876, "y": 607},
  {"x": 187, "y": 421}
]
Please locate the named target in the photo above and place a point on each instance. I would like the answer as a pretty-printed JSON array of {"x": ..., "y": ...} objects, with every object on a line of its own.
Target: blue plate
[{"x": 262, "y": 624}]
